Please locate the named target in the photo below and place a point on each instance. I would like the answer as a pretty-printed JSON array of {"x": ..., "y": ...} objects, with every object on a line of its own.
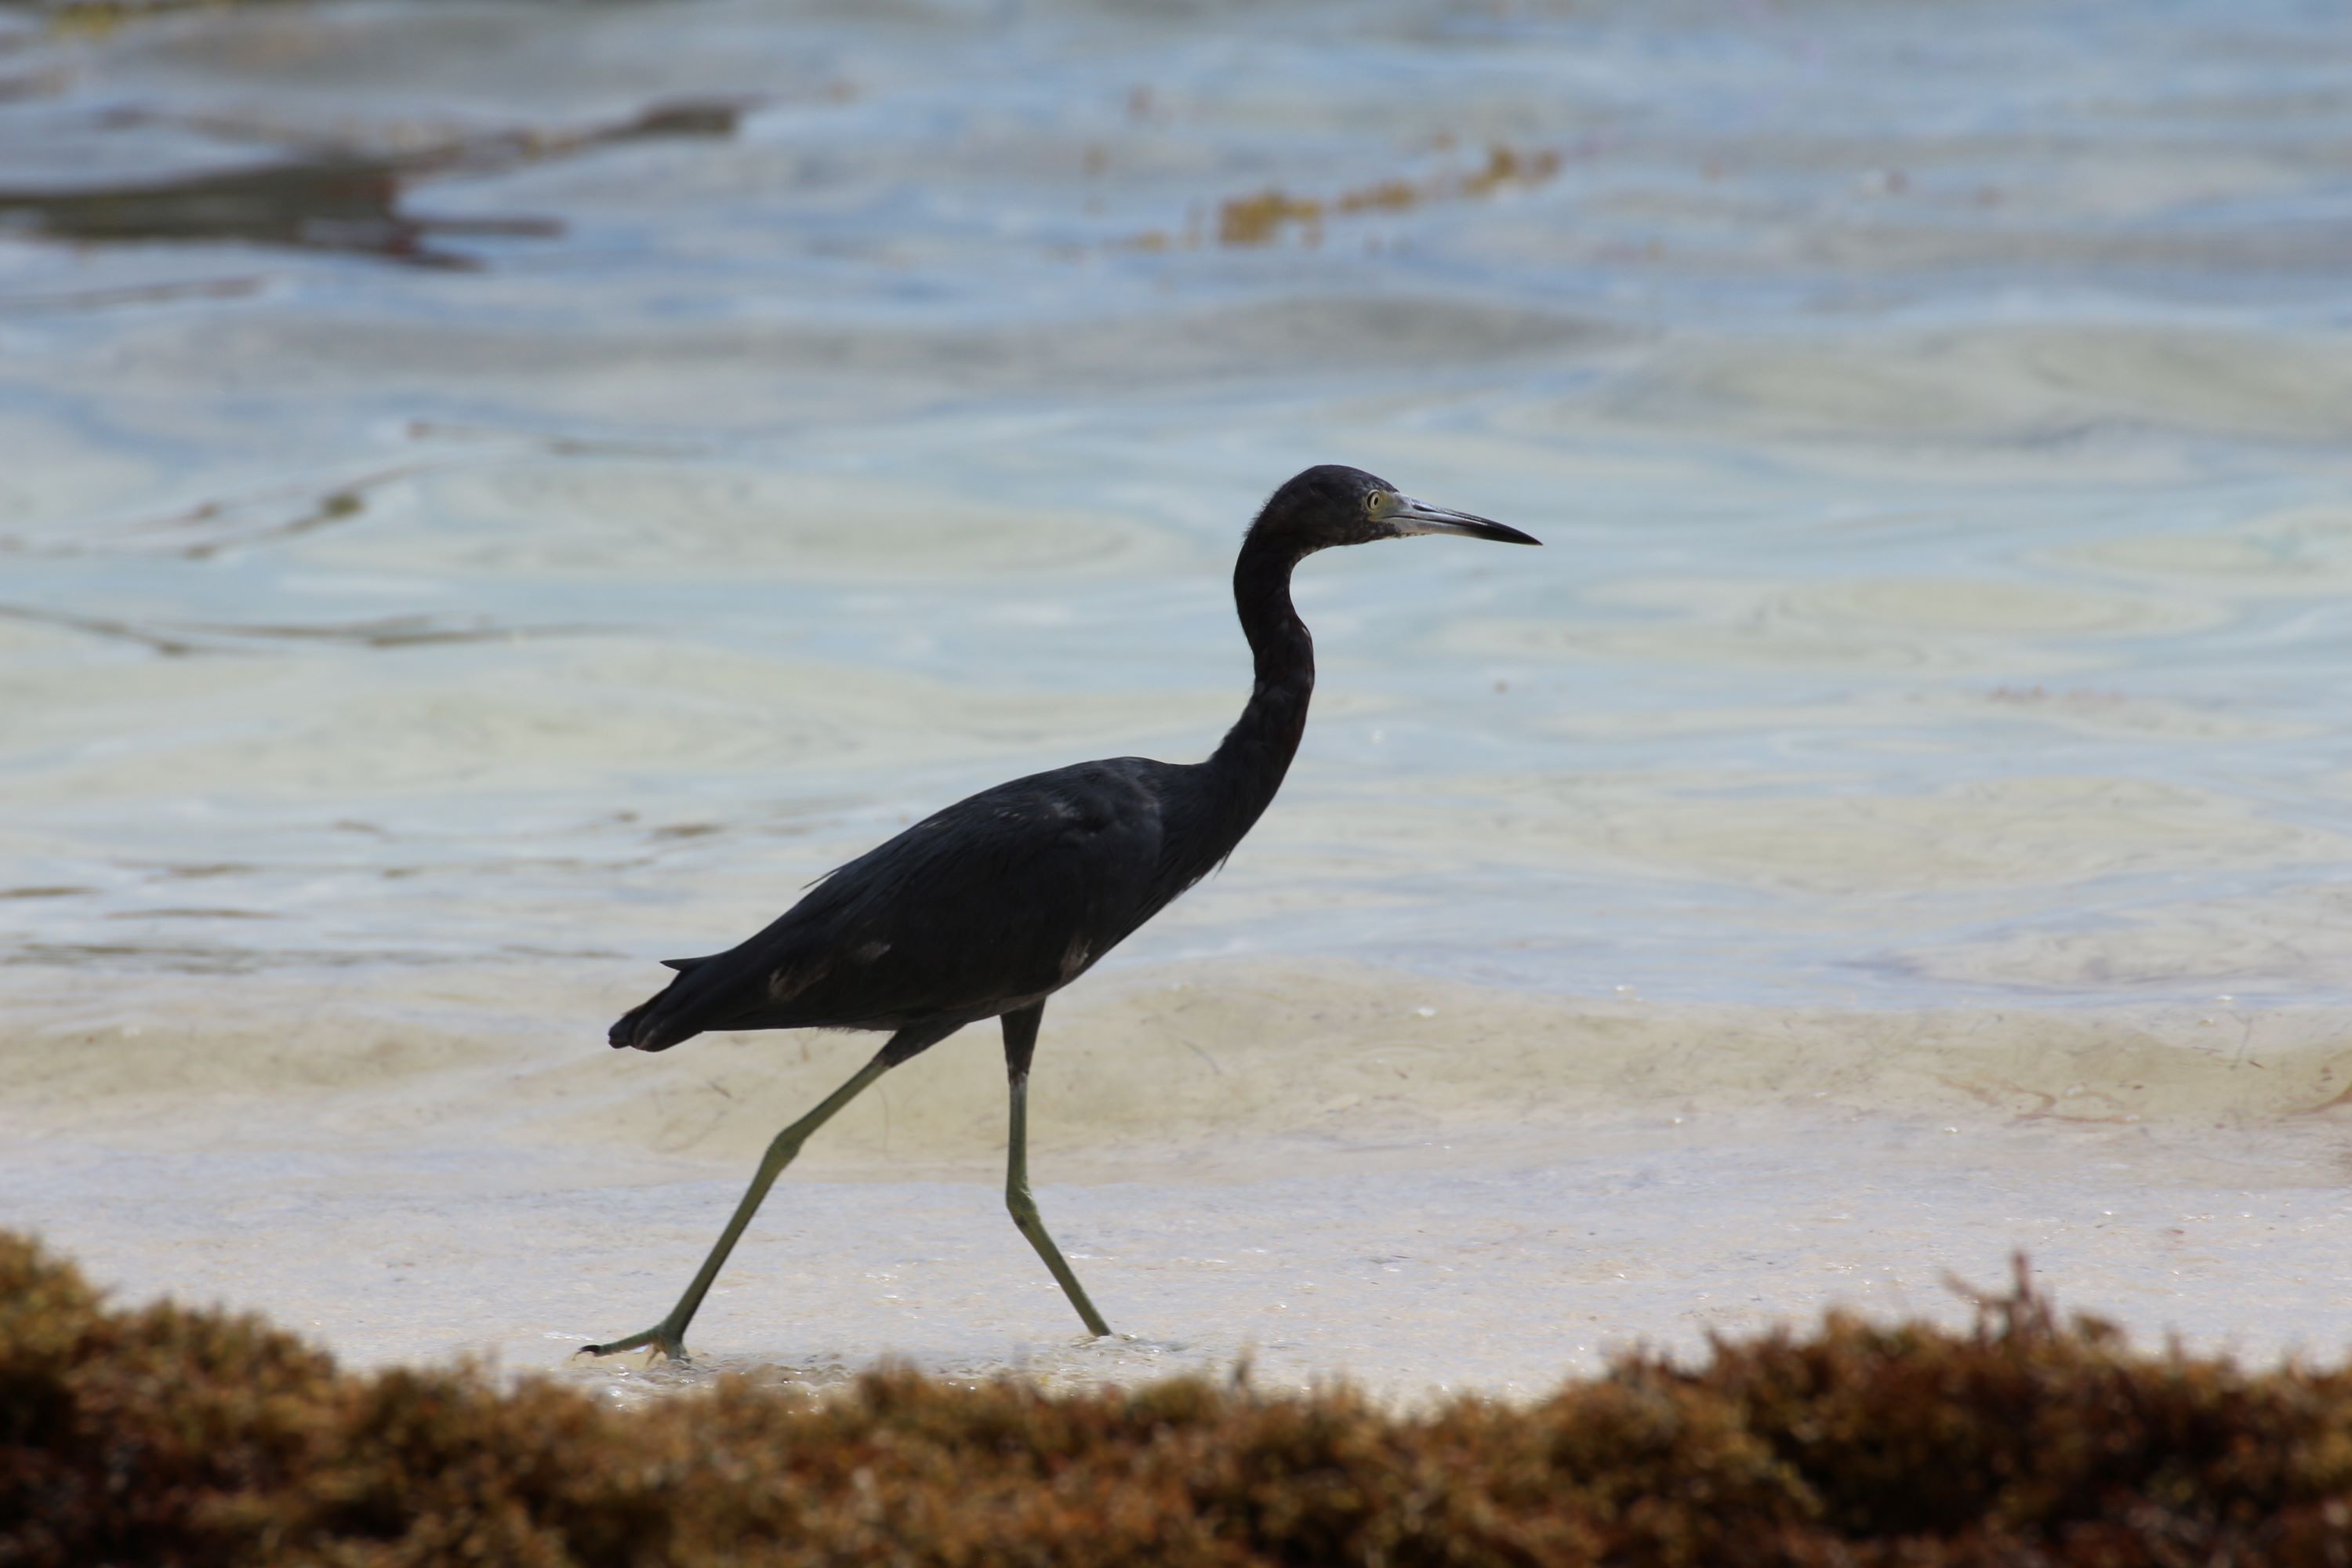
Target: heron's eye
[{"x": 1377, "y": 502}]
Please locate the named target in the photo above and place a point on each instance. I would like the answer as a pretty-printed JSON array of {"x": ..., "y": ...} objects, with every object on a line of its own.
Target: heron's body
[
  {"x": 989, "y": 906},
  {"x": 982, "y": 908}
]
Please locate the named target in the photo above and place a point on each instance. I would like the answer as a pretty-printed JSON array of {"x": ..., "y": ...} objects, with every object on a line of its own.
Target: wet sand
[{"x": 1322, "y": 1170}]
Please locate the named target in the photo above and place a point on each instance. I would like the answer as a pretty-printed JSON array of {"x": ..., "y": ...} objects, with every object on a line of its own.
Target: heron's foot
[{"x": 661, "y": 1340}]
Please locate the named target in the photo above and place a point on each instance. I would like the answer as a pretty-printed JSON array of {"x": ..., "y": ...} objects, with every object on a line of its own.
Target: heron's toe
[{"x": 660, "y": 1341}]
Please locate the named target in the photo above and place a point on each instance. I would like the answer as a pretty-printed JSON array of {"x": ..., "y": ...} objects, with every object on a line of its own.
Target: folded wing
[{"x": 996, "y": 902}]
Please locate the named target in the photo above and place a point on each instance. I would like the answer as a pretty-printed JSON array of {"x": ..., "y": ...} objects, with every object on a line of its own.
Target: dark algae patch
[
  {"x": 161, "y": 1435},
  {"x": 335, "y": 200}
]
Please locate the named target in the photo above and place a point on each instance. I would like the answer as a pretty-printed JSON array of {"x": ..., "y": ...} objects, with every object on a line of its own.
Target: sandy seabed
[{"x": 1328, "y": 1170}]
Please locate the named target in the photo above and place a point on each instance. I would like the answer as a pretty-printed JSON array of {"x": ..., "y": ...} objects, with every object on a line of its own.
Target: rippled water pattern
[{"x": 668, "y": 448}]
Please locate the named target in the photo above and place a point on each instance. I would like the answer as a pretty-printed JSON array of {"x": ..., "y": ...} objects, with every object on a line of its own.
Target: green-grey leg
[
  {"x": 668, "y": 1336},
  {"x": 1020, "y": 1043}
]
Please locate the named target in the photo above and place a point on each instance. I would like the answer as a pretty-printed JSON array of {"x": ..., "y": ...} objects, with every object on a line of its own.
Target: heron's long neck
[{"x": 1248, "y": 767}]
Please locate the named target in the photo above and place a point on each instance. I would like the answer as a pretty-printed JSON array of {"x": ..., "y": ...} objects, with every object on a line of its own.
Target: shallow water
[{"x": 493, "y": 498}]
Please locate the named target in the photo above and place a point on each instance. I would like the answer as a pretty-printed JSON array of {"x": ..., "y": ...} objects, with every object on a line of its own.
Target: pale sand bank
[
  {"x": 1331, "y": 1169},
  {"x": 1207, "y": 1059}
]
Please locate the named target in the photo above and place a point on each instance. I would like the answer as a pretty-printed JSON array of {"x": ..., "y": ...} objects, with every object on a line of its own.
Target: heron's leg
[
  {"x": 1020, "y": 1044},
  {"x": 668, "y": 1336}
]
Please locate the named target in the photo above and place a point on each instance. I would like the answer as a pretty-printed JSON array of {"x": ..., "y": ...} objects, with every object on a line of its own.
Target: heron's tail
[{"x": 659, "y": 1021}]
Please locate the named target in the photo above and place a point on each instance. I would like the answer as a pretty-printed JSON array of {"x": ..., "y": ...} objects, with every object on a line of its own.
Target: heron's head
[{"x": 1333, "y": 504}]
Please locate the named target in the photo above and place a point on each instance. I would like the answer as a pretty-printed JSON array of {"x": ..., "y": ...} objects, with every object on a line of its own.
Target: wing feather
[{"x": 996, "y": 900}]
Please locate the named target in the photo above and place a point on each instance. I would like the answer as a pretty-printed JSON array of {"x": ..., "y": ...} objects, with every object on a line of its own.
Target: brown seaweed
[
  {"x": 1266, "y": 216},
  {"x": 168, "y": 1435}
]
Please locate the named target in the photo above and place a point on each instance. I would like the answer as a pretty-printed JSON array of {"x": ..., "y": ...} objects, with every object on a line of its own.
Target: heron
[{"x": 988, "y": 907}]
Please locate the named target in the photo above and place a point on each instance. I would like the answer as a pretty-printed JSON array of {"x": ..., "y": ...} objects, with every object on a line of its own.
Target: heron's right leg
[
  {"x": 668, "y": 1336},
  {"x": 1020, "y": 1044}
]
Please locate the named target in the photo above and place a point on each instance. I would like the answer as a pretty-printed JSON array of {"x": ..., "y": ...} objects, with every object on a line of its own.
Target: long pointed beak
[{"x": 1413, "y": 516}]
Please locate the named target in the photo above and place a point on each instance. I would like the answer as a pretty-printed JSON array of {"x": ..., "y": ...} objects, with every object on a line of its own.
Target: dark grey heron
[{"x": 986, "y": 909}]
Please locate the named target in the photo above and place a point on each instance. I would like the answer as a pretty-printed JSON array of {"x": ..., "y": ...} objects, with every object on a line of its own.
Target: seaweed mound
[{"x": 163, "y": 1434}]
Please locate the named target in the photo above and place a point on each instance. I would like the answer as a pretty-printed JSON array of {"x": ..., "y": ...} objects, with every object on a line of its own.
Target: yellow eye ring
[{"x": 1377, "y": 503}]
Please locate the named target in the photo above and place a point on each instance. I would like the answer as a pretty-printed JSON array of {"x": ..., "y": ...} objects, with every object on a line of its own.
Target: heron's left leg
[
  {"x": 1019, "y": 1045},
  {"x": 668, "y": 1337}
]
